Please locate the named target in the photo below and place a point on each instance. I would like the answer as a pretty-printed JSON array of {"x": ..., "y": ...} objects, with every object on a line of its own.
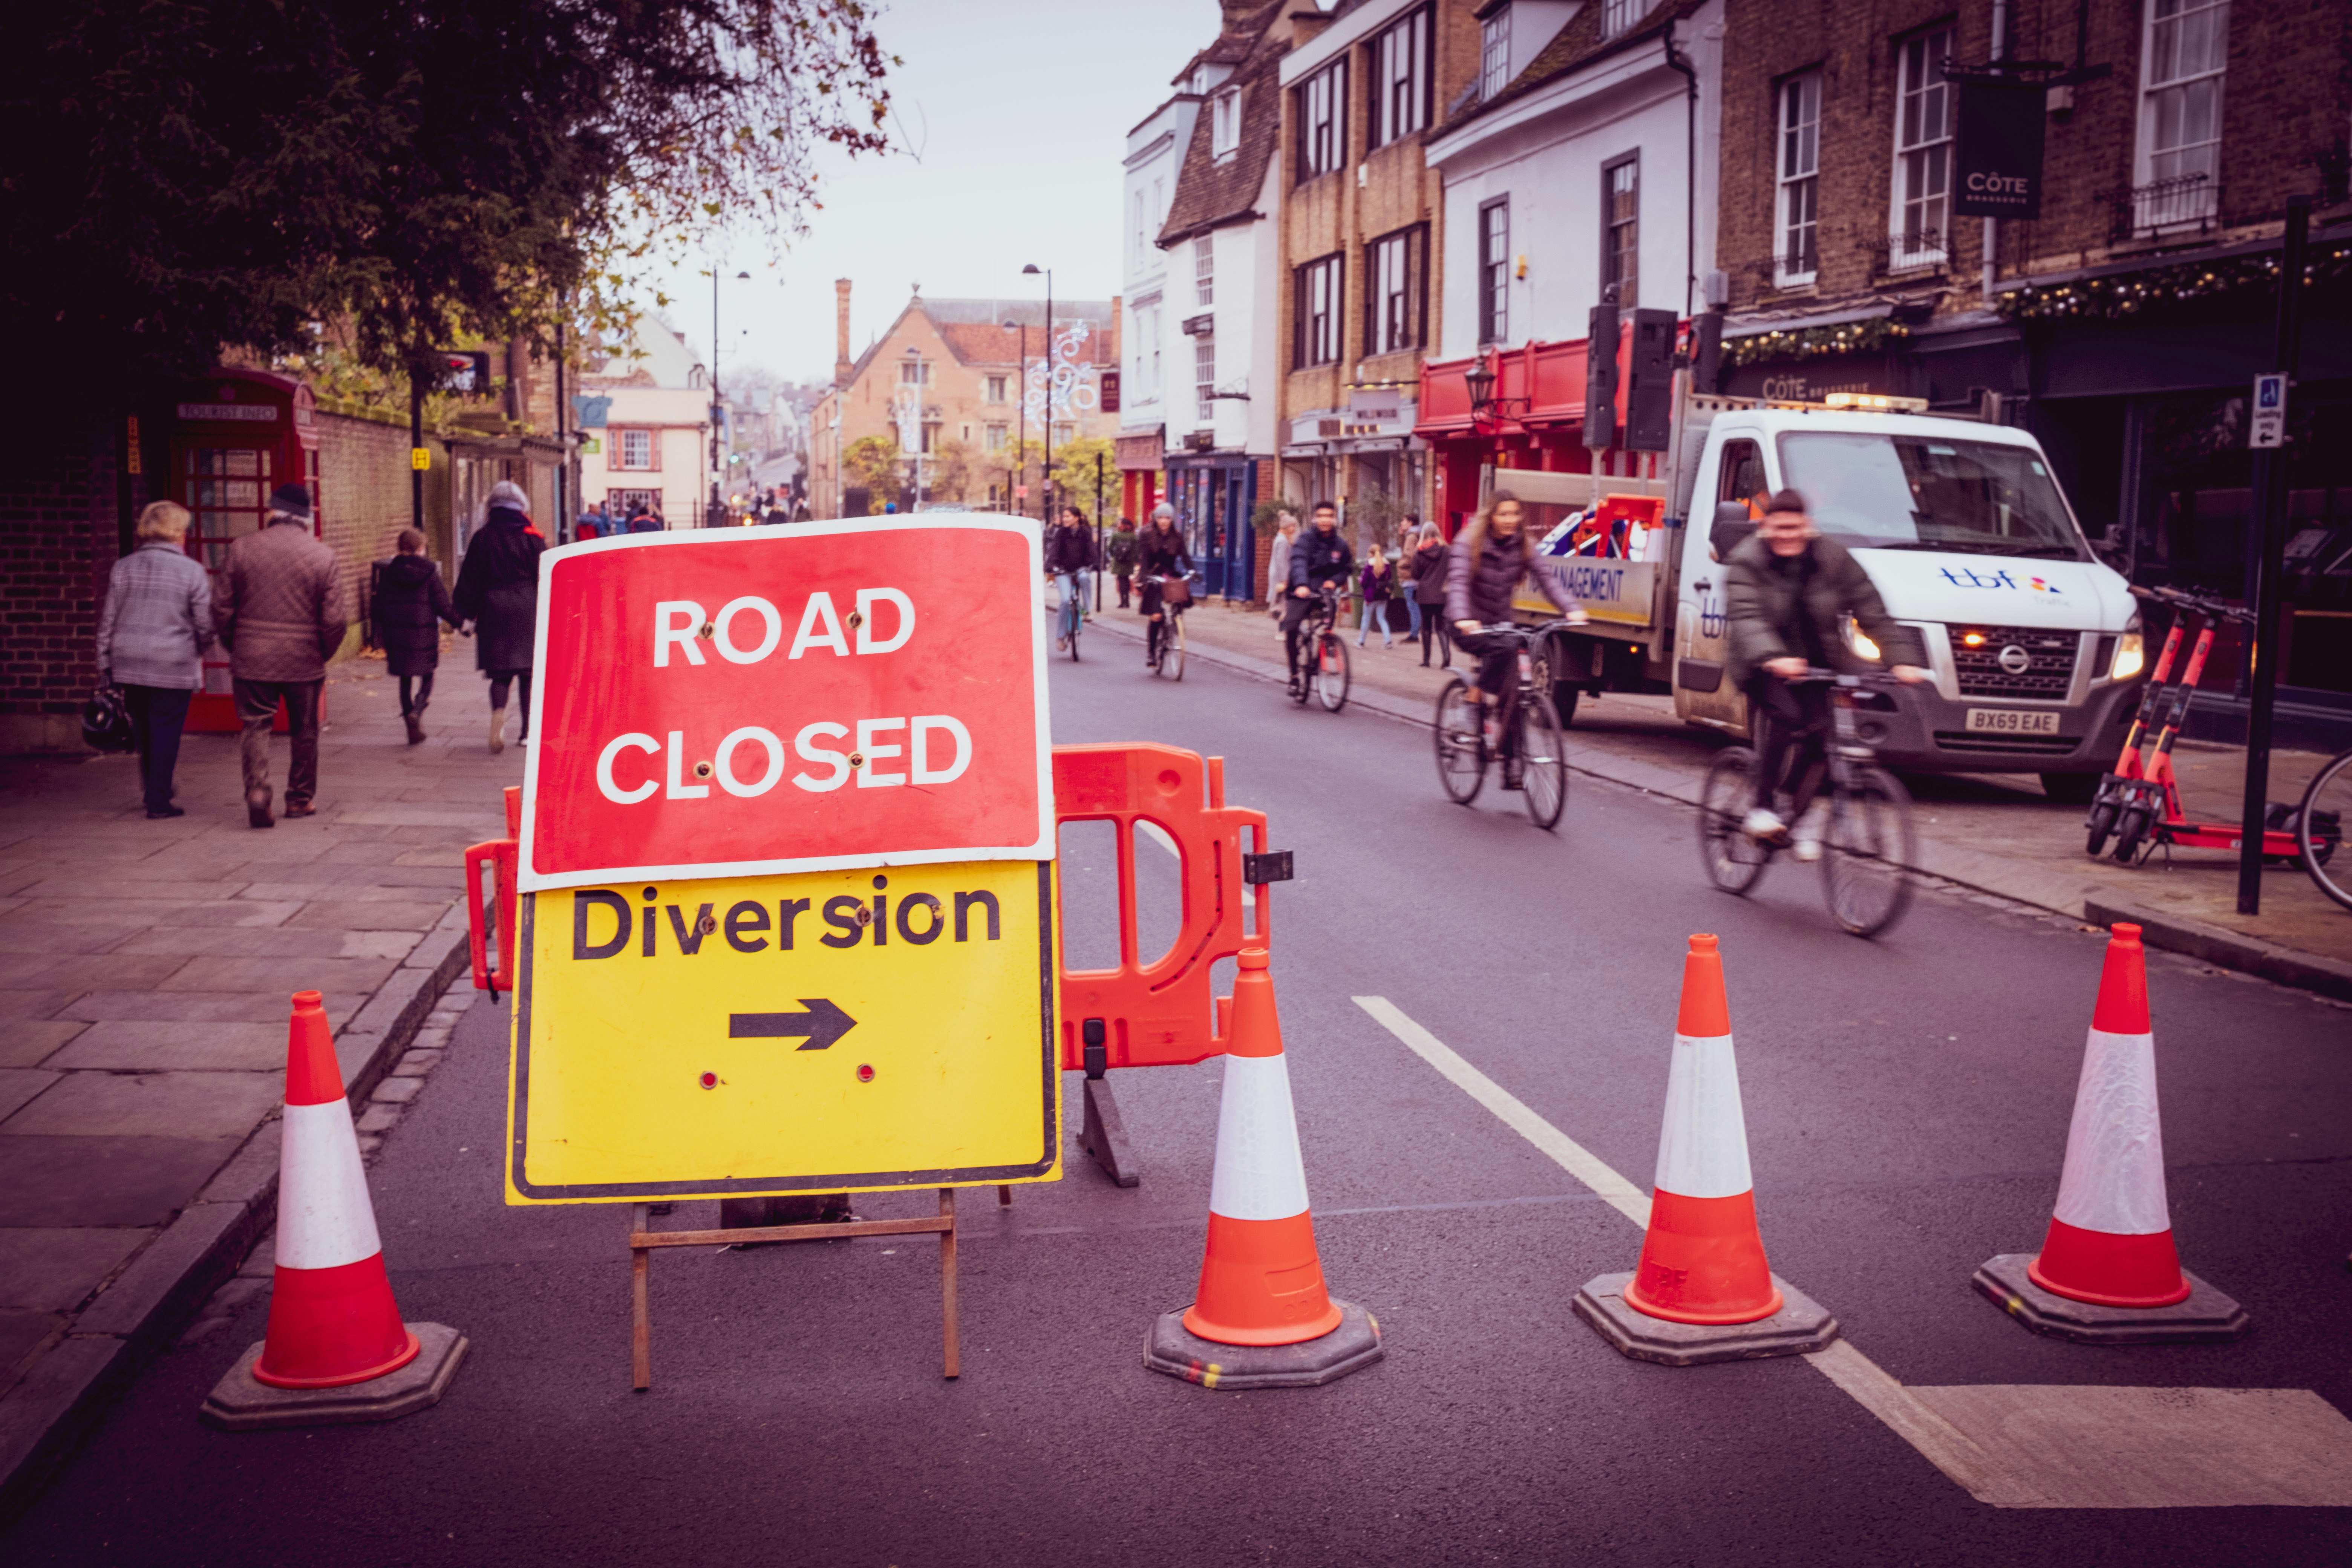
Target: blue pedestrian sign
[{"x": 2268, "y": 426}]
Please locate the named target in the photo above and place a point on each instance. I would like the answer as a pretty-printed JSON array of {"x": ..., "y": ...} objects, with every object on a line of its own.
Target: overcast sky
[{"x": 1013, "y": 121}]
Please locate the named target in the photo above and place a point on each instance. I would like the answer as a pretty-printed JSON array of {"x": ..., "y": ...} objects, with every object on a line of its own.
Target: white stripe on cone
[
  {"x": 1260, "y": 1175},
  {"x": 324, "y": 1217},
  {"x": 1703, "y": 1147},
  {"x": 2114, "y": 1178}
]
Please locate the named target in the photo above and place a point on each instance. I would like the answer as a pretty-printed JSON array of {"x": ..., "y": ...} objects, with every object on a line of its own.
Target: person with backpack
[{"x": 410, "y": 604}]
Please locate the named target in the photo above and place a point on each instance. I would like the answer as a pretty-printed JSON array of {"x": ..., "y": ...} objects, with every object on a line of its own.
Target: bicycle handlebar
[{"x": 2202, "y": 603}]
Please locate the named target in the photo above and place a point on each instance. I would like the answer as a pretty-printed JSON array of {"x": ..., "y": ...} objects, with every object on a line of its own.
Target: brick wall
[{"x": 58, "y": 541}]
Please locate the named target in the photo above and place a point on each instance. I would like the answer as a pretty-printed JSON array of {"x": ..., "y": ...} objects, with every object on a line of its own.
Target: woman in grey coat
[{"x": 151, "y": 638}]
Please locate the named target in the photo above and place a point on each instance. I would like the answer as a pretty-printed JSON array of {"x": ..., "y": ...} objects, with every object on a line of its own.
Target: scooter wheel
[
  {"x": 2131, "y": 828},
  {"x": 2102, "y": 826}
]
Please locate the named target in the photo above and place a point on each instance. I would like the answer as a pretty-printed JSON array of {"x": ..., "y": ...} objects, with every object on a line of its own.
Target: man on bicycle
[
  {"x": 1320, "y": 563},
  {"x": 1495, "y": 554},
  {"x": 1786, "y": 592},
  {"x": 1070, "y": 557},
  {"x": 1159, "y": 552}
]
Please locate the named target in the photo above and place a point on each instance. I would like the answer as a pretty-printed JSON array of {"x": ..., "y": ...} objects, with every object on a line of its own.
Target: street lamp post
[
  {"x": 717, "y": 409},
  {"x": 1045, "y": 422}
]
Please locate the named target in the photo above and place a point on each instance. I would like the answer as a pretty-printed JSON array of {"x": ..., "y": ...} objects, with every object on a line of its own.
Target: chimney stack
[{"x": 841, "y": 332}]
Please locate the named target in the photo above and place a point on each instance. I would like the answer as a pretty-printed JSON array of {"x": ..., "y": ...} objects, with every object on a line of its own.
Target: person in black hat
[{"x": 280, "y": 613}]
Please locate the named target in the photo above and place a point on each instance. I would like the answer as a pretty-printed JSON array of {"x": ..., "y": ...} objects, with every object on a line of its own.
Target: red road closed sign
[{"x": 804, "y": 698}]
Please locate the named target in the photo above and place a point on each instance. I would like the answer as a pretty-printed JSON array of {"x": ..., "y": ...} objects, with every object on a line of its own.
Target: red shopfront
[
  {"x": 237, "y": 435},
  {"x": 1534, "y": 419}
]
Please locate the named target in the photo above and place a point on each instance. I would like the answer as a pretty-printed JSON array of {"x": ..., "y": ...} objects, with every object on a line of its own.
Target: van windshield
[{"x": 1929, "y": 492}]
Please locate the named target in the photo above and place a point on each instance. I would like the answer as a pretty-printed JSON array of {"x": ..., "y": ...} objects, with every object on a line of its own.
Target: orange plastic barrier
[{"x": 502, "y": 855}]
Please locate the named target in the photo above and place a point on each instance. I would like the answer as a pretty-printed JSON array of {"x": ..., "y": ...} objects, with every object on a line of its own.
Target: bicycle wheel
[
  {"x": 1733, "y": 860},
  {"x": 1331, "y": 673},
  {"x": 1461, "y": 759},
  {"x": 1868, "y": 852},
  {"x": 1543, "y": 754},
  {"x": 1171, "y": 649},
  {"x": 2319, "y": 830}
]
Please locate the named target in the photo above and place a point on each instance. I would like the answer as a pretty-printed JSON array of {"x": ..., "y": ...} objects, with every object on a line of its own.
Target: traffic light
[
  {"x": 465, "y": 372},
  {"x": 1601, "y": 377},
  {"x": 1649, "y": 383}
]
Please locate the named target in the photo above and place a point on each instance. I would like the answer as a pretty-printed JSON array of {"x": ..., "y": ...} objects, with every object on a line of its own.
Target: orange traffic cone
[
  {"x": 1702, "y": 1276},
  {"x": 332, "y": 1321},
  {"x": 1262, "y": 1318},
  {"x": 2108, "y": 1270}
]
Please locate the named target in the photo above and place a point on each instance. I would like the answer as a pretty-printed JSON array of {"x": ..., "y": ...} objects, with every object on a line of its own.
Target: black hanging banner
[{"x": 1998, "y": 155}]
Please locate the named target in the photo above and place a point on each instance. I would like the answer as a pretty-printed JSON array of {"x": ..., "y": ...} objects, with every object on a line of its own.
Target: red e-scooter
[{"x": 2139, "y": 802}]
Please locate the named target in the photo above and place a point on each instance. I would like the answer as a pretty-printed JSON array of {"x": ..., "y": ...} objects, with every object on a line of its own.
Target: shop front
[
  {"x": 1142, "y": 457},
  {"x": 237, "y": 436},
  {"x": 1532, "y": 416},
  {"x": 1368, "y": 459},
  {"x": 1215, "y": 494}
]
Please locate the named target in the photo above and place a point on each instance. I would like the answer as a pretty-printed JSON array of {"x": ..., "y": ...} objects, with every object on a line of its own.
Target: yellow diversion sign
[{"x": 825, "y": 1032}]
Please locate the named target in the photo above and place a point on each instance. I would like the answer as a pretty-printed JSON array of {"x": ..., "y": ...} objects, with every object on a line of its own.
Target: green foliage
[
  {"x": 185, "y": 176},
  {"x": 874, "y": 462},
  {"x": 1074, "y": 474}
]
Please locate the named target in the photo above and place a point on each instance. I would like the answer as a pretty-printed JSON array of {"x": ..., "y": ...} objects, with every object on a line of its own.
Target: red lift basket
[{"x": 1163, "y": 1013}]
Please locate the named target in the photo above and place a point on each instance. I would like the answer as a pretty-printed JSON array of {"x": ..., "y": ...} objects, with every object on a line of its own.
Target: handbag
[{"x": 105, "y": 721}]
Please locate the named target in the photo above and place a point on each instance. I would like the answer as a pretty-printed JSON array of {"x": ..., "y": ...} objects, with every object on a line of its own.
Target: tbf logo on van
[{"x": 743, "y": 701}]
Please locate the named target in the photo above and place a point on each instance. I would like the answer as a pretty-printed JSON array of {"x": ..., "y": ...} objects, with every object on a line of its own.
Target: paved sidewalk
[
  {"x": 1997, "y": 831},
  {"x": 145, "y": 969}
]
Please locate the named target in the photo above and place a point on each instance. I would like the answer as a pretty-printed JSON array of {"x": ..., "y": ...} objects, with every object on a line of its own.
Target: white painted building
[
  {"x": 1577, "y": 175},
  {"x": 1155, "y": 151}
]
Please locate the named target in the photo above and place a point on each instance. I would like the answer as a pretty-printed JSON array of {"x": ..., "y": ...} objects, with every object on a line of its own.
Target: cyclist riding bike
[
  {"x": 1159, "y": 552},
  {"x": 1495, "y": 554},
  {"x": 1787, "y": 592},
  {"x": 1320, "y": 563},
  {"x": 1070, "y": 557}
]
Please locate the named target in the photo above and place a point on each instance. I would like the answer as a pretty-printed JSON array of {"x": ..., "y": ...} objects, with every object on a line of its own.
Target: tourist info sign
[{"x": 767, "y": 985}]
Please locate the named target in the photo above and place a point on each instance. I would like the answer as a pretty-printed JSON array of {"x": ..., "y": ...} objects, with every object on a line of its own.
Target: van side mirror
[{"x": 1733, "y": 528}]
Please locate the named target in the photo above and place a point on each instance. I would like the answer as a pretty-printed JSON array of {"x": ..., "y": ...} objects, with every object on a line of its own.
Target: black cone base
[
  {"x": 2206, "y": 1317},
  {"x": 242, "y": 1402},
  {"x": 1801, "y": 1325},
  {"x": 1174, "y": 1350}
]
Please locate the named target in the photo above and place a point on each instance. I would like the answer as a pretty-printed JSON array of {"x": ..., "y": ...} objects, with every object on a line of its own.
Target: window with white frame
[
  {"x": 1151, "y": 336},
  {"x": 993, "y": 439},
  {"x": 1225, "y": 123},
  {"x": 1204, "y": 271},
  {"x": 1493, "y": 54},
  {"x": 1799, "y": 221},
  {"x": 2185, "y": 51},
  {"x": 1142, "y": 238},
  {"x": 1495, "y": 270},
  {"x": 1621, "y": 230},
  {"x": 1616, "y": 16},
  {"x": 1317, "y": 313},
  {"x": 634, "y": 448},
  {"x": 995, "y": 389},
  {"x": 913, "y": 373},
  {"x": 1395, "y": 271},
  {"x": 1401, "y": 80},
  {"x": 1323, "y": 121},
  {"x": 1204, "y": 378},
  {"x": 1922, "y": 215}
]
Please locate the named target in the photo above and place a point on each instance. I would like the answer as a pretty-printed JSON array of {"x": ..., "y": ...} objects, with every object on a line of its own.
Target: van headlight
[
  {"x": 1857, "y": 640},
  {"x": 2131, "y": 652}
]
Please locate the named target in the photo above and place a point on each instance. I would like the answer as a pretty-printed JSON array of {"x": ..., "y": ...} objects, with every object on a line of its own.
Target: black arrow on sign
[{"x": 824, "y": 1024}]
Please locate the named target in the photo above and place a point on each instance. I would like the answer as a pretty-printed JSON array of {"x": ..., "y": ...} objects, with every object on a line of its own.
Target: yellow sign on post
[
  {"x": 832, "y": 1031},
  {"x": 420, "y": 458}
]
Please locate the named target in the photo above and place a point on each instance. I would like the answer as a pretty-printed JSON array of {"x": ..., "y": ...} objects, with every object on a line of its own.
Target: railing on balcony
[{"x": 2191, "y": 202}]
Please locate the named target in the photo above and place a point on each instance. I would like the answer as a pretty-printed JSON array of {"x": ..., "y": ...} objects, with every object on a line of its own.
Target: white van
[{"x": 2035, "y": 643}]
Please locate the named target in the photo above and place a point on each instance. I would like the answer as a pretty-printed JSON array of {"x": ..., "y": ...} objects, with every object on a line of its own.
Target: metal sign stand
[{"x": 644, "y": 1238}]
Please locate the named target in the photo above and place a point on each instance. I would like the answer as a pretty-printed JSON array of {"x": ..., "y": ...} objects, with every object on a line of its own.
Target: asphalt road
[{"x": 1907, "y": 1104}]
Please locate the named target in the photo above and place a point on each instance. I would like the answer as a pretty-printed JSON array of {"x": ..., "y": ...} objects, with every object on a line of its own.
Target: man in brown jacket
[{"x": 280, "y": 614}]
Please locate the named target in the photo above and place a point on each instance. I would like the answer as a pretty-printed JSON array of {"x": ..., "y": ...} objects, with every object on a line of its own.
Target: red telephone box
[{"x": 238, "y": 435}]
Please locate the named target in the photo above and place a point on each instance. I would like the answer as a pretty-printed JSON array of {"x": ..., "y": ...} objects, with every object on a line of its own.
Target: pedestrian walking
[
  {"x": 497, "y": 591},
  {"x": 281, "y": 614},
  {"x": 643, "y": 520},
  {"x": 1120, "y": 548},
  {"x": 410, "y": 604},
  {"x": 592, "y": 522},
  {"x": 1372, "y": 584},
  {"x": 152, "y": 635},
  {"x": 1429, "y": 563},
  {"x": 1278, "y": 563},
  {"x": 1408, "y": 541}
]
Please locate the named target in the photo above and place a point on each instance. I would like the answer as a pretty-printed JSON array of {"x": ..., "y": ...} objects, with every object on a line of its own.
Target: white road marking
[{"x": 2129, "y": 1448}]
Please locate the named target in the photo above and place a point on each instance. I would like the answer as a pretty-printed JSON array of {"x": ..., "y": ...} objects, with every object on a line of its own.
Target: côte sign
[
  {"x": 778, "y": 699},
  {"x": 1997, "y": 157}
]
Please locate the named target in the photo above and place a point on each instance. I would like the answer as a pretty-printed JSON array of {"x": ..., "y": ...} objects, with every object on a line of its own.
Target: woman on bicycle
[
  {"x": 1159, "y": 552},
  {"x": 1070, "y": 557},
  {"x": 1495, "y": 554}
]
